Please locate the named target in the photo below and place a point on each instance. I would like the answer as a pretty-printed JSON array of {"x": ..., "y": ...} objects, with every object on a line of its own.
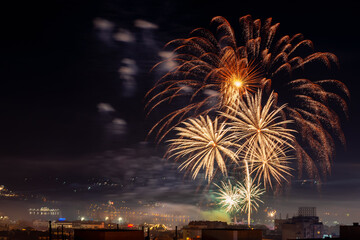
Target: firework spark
[
  {"x": 205, "y": 144},
  {"x": 271, "y": 213}
]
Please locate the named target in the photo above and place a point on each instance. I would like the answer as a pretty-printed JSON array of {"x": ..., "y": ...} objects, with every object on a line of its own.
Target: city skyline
[{"x": 75, "y": 78}]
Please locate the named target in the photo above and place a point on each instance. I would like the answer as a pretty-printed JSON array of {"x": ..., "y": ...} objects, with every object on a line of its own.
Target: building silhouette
[
  {"x": 350, "y": 232},
  {"x": 305, "y": 225}
]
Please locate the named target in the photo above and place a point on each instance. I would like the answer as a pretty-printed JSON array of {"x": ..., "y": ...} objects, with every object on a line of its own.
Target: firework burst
[
  {"x": 255, "y": 125},
  {"x": 282, "y": 60},
  {"x": 244, "y": 197},
  {"x": 271, "y": 213},
  {"x": 250, "y": 194},
  {"x": 215, "y": 70},
  {"x": 228, "y": 196},
  {"x": 209, "y": 76},
  {"x": 271, "y": 162},
  {"x": 216, "y": 74},
  {"x": 205, "y": 144}
]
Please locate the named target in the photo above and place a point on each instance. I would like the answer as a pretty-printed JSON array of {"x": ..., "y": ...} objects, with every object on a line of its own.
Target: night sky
[{"x": 73, "y": 79}]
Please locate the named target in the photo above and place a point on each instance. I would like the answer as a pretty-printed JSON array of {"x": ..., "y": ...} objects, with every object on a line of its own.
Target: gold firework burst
[
  {"x": 204, "y": 144},
  {"x": 271, "y": 162},
  {"x": 254, "y": 125}
]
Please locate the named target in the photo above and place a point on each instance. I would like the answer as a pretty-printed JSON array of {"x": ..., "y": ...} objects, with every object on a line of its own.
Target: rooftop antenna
[
  {"x": 50, "y": 230},
  {"x": 175, "y": 238}
]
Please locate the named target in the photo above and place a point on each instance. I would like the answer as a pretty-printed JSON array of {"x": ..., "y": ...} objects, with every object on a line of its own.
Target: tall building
[
  {"x": 307, "y": 211},
  {"x": 305, "y": 225}
]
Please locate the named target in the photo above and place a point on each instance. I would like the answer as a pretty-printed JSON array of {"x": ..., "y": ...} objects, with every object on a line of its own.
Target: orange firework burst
[
  {"x": 235, "y": 76},
  {"x": 210, "y": 76},
  {"x": 308, "y": 101}
]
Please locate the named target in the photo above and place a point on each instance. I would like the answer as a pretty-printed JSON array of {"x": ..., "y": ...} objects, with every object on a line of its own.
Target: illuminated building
[
  {"x": 123, "y": 214},
  {"x": 44, "y": 224},
  {"x": 44, "y": 213},
  {"x": 80, "y": 224},
  {"x": 307, "y": 211},
  {"x": 4, "y": 218},
  {"x": 41, "y": 224},
  {"x": 6, "y": 193},
  {"x": 4, "y": 222},
  {"x": 346, "y": 233}
]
